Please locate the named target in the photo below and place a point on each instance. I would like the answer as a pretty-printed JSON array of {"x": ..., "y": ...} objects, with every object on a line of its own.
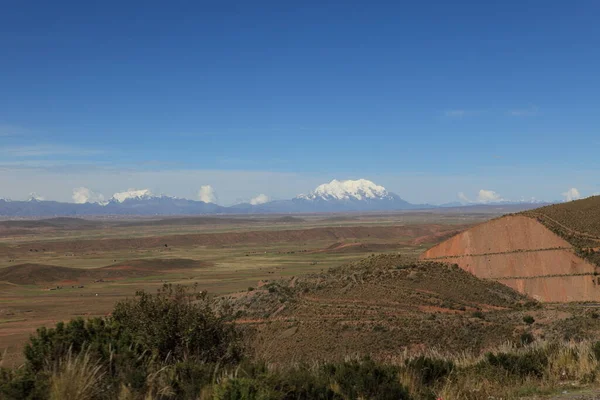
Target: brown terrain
[
  {"x": 385, "y": 305},
  {"x": 547, "y": 253},
  {"x": 295, "y": 236},
  {"x": 61, "y": 268}
]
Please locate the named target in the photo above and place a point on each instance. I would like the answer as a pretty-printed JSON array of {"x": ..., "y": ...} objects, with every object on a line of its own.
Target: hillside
[
  {"x": 550, "y": 253},
  {"x": 578, "y": 222},
  {"x": 379, "y": 306}
]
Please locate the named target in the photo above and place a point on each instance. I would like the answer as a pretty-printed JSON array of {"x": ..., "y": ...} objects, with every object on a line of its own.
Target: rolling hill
[{"x": 378, "y": 306}]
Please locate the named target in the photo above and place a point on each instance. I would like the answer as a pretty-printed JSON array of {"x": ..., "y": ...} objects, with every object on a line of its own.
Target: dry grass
[
  {"x": 578, "y": 222},
  {"x": 76, "y": 377},
  {"x": 569, "y": 364}
]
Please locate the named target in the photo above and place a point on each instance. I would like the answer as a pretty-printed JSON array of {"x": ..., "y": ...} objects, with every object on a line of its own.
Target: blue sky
[{"x": 429, "y": 99}]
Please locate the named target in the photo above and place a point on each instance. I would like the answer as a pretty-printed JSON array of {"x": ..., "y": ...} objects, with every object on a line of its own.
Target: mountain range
[{"x": 335, "y": 196}]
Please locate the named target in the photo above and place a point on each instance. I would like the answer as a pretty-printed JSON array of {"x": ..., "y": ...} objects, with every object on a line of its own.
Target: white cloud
[
  {"x": 260, "y": 199},
  {"x": 207, "y": 194},
  {"x": 483, "y": 197},
  {"x": 488, "y": 196},
  {"x": 463, "y": 198},
  {"x": 571, "y": 194},
  {"x": 82, "y": 195}
]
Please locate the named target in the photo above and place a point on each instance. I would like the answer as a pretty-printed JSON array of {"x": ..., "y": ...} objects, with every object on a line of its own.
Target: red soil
[{"x": 522, "y": 253}]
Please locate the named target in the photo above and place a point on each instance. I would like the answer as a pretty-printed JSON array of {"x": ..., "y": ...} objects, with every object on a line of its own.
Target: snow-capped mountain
[
  {"x": 34, "y": 197},
  {"x": 137, "y": 194},
  {"x": 360, "y": 189},
  {"x": 340, "y": 196}
]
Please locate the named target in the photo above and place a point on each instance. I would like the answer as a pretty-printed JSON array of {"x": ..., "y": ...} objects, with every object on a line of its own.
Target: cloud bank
[
  {"x": 484, "y": 196},
  {"x": 260, "y": 199},
  {"x": 207, "y": 194},
  {"x": 82, "y": 195},
  {"x": 488, "y": 196},
  {"x": 571, "y": 194}
]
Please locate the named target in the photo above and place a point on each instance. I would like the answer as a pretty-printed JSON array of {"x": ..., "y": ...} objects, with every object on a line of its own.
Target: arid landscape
[
  {"x": 57, "y": 269},
  {"x": 298, "y": 200},
  {"x": 301, "y": 289}
]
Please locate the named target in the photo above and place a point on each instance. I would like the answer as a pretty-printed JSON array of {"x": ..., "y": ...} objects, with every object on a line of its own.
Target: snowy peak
[
  {"x": 33, "y": 196},
  {"x": 360, "y": 189},
  {"x": 137, "y": 194}
]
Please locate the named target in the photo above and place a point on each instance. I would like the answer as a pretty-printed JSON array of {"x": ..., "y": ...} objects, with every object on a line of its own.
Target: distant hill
[{"x": 41, "y": 274}]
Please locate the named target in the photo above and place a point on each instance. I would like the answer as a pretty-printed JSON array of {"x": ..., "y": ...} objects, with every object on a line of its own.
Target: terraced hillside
[
  {"x": 378, "y": 306},
  {"x": 578, "y": 222},
  {"x": 551, "y": 253}
]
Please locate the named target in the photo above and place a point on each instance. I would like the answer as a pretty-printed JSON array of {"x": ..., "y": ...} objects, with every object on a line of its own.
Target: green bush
[
  {"x": 366, "y": 379},
  {"x": 430, "y": 371},
  {"x": 301, "y": 383},
  {"x": 174, "y": 327},
  {"x": 478, "y": 314},
  {"x": 596, "y": 350},
  {"x": 522, "y": 365},
  {"x": 526, "y": 338},
  {"x": 240, "y": 389},
  {"x": 528, "y": 319}
]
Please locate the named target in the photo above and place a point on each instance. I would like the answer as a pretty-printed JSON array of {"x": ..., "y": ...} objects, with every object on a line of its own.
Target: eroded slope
[{"x": 522, "y": 253}]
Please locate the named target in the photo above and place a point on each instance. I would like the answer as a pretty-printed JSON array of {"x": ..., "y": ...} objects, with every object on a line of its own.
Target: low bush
[
  {"x": 366, "y": 379},
  {"x": 526, "y": 338},
  {"x": 596, "y": 350},
  {"x": 173, "y": 331},
  {"x": 430, "y": 371},
  {"x": 527, "y": 364}
]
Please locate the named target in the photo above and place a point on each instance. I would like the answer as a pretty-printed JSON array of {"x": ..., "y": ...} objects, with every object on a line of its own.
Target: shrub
[
  {"x": 187, "y": 328},
  {"x": 532, "y": 363},
  {"x": 478, "y": 314},
  {"x": 596, "y": 350},
  {"x": 528, "y": 319},
  {"x": 526, "y": 338},
  {"x": 238, "y": 389},
  {"x": 301, "y": 383},
  {"x": 173, "y": 331},
  {"x": 430, "y": 371},
  {"x": 366, "y": 379}
]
